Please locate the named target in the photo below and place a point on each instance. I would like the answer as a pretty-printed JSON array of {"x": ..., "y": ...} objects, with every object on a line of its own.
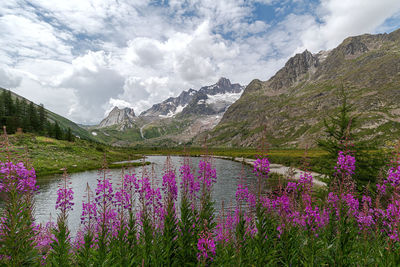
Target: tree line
[{"x": 16, "y": 113}]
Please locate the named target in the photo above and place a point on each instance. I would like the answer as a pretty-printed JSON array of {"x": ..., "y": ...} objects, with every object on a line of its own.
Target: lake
[{"x": 228, "y": 173}]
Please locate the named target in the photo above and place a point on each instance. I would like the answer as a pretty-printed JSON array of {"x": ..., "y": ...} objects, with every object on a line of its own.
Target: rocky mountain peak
[
  {"x": 124, "y": 118},
  {"x": 295, "y": 67},
  {"x": 219, "y": 95},
  {"x": 224, "y": 82},
  {"x": 353, "y": 46}
]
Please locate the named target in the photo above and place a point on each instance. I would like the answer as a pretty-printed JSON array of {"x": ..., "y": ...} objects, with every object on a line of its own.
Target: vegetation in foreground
[
  {"x": 138, "y": 223},
  {"x": 51, "y": 156}
]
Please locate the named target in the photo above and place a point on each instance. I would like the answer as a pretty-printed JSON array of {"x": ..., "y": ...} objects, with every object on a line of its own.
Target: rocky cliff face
[
  {"x": 122, "y": 118},
  {"x": 293, "y": 71},
  {"x": 292, "y": 104}
]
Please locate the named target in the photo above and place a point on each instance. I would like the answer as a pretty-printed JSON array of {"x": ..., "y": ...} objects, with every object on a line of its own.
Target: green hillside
[{"x": 292, "y": 105}]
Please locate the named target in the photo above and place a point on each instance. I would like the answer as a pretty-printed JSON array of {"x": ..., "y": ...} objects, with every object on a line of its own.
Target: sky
[{"x": 80, "y": 58}]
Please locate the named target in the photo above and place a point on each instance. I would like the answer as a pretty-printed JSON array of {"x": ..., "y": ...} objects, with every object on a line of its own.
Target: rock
[{"x": 123, "y": 118}]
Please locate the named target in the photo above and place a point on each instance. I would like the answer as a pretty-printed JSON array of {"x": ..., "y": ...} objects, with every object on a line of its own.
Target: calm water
[{"x": 228, "y": 173}]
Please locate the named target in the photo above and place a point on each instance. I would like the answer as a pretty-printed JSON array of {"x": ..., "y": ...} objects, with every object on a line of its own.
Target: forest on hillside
[{"x": 21, "y": 115}]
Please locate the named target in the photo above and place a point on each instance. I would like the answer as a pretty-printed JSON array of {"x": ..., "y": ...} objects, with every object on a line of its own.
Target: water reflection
[{"x": 228, "y": 173}]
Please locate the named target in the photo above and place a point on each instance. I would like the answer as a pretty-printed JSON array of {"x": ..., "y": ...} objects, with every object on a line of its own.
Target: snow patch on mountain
[
  {"x": 173, "y": 113},
  {"x": 226, "y": 98}
]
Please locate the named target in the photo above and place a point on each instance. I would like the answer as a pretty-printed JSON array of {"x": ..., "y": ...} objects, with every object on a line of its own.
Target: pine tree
[
  {"x": 2, "y": 107},
  {"x": 33, "y": 117},
  {"x": 26, "y": 124},
  {"x": 18, "y": 113},
  {"x": 42, "y": 118},
  {"x": 340, "y": 130},
  {"x": 69, "y": 136},
  {"x": 49, "y": 129},
  {"x": 57, "y": 131},
  {"x": 8, "y": 104}
]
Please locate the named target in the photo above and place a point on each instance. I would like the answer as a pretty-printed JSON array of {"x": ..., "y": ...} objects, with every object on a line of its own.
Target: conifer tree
[
  {"x": 42, "y": 118},
  {"x": 341, "y": 135},
  {"x": 69, "y": 136},
  {"x": 57, "y": 131},
  {"x": 33, "y": 117},
  {"x": 26, "y": 124}
]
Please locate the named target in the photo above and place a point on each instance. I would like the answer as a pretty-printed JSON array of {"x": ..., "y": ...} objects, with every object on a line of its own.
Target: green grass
[{"x": 50, "y": 156}]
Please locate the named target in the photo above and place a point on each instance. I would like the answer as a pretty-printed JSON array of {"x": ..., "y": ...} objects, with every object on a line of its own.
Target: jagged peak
[
  {"x": 126, "y": 110},
  {"x": 296, "y": 66},
  {"x": 223, "y": 82}
]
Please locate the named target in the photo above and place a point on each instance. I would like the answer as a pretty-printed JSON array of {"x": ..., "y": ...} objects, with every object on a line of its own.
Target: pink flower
[
  {"x": 261, "y": 167},
  {"x": 206, "y": 247},
  {"x": 345, "y": 164}
]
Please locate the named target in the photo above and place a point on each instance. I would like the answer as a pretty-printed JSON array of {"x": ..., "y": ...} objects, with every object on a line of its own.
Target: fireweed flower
[
  {"x": 332, "y": 202},
  {"x": 17, "y": 175},
  {"x": 104, "y": 191},
  {"x": 169, "y": 185},
  {"x": 189, "y": 184},
  {"x": 393, "y": 176},
  {"x": 352, "y": 203},
  {"x": 124, "y": 197},
  {"x": 207, "y": 174},
  {"x": 261, "y": 167},
  {"x": 89, "y": 212},
  {"x": 64, "y": 199},
  {"x": 242, "y": 193},
  {"x": 206, "y": 247},
  {"x": 305, "y": 180},
  {"x": 345, "y": 164},
  {"x": 151, "y": 201}
]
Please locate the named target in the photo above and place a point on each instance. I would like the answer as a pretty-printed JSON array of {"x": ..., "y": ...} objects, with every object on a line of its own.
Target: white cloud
[
  {"x": 81, "y": 57},
  {"x": 341, "y": 19},
  {"x": 8, "y": 79}
]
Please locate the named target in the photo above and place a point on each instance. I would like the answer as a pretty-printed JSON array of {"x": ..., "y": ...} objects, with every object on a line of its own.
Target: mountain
[
  {"x": 292, "y": 104},
  {"x": 213, "y": 99},
  {"x": 124, "y": 118},
  {"x": 52, "y": 117},
  {"x": 171, "y": 106},
  {"x": 208, "y": 100},
  {"x": 174, "y": 120}
]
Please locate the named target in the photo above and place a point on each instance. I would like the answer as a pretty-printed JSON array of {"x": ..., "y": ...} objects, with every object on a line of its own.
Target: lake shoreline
[{"x": 289, "y": 172}]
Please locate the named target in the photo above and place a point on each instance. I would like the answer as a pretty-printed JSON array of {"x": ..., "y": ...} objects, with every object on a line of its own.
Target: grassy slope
[
  {"x": 49, "y": 156},
  {"x": 63, "y": 122}
]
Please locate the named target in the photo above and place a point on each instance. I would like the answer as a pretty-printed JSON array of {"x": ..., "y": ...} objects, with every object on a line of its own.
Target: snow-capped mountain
[
  {"x": 176, "y": 119},
  {"x": 214, "y": 99},
  {"x": 208, "y": 100},
  {"x": 170, "y": 107}
]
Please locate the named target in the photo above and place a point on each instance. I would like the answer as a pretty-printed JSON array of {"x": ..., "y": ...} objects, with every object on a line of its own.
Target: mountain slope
[
  {"x": 292, "y": 104},
  {"x": 62, "y": 121}
]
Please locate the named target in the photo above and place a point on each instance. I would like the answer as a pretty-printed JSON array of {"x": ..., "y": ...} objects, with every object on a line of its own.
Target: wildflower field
[{"x": 137, "y": 223}]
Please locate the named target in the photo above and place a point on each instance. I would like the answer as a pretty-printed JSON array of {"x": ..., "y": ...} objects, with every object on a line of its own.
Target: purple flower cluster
[
  {"x": 65, "y": 196},
  {"x": 190, "y": 186},
  {"x": 207, "y": 174},
  {"x": 15, "y": 175},
  {"x": 261, "y": 167},
  {"x": 89, "y": 212},
  {"x": 169, "y": 185},
  {"x": 206, "y": 247},
  {"x": 345, "y": 164}
]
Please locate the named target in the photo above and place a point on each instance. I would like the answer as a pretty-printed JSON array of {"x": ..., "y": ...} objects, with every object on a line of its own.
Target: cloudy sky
[{"x": 81, "y": 57}]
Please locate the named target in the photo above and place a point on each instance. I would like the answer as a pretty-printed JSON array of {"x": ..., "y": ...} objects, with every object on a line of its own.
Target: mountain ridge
[
  {"x": 292, "y": 104},
  {"x": 174, "y": 120}
]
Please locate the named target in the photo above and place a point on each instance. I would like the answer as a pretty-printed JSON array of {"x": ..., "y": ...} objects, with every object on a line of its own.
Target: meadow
[{"x": 137, "y": 223}]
